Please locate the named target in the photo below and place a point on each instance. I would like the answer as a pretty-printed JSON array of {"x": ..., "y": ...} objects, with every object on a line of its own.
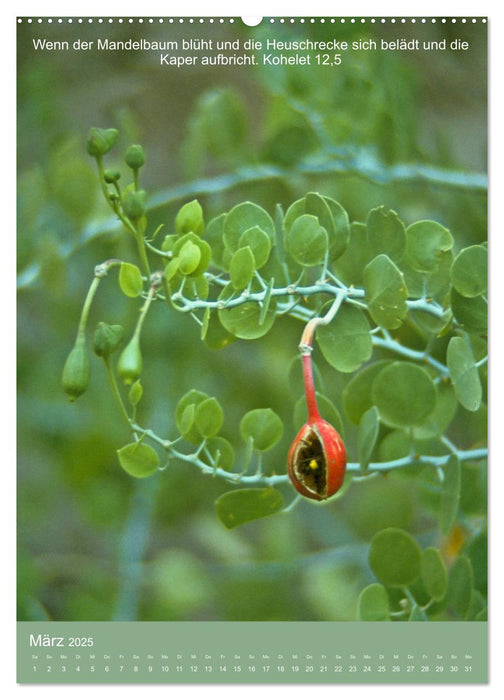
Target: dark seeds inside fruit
[{"x": 309, "y": 463}]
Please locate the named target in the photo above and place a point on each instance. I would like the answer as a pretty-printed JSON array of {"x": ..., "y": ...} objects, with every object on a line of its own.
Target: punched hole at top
[{"x": 251, "y": 21}]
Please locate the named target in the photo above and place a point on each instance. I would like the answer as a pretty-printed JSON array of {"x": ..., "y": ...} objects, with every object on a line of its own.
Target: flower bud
[
  {"x": 101, "y": 141},
  {"x": 129, "y": 366},
  {"x": 134, "y": 204},
  {"x": 135, "y": 157},
  {"x": 317, "y": 460},
  {"x": 76, "y": 372},
  {"x": 111, "y": 175},
  {"x": 107, "y": 339}
]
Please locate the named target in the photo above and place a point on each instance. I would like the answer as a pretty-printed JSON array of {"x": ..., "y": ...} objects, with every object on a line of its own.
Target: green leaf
[
  {"x": 346, "y": 342},
  {"x": 263, "y": 426},
  {"x": 338, "y": 240},
  {"x": 307, "y": 241},
  {"x": 217, "y": 337},
  {"x": 357, "y": 393},
  {"x": 209, "y": 417},
  {"x": 189, "y": 258},
  {"x": 245, "y": 320},
  {"x": 469, "y": 271},
  {"x": 404, "y": 394},
  {"x": 331, "y": 216},
  {"x": 460, "y": 586},
  {"x": 138, "y": 459},
  {"x": 385, "y": 233},
  {"x": 185, "y": 421},
  {"x": 373, "y": 604},
  {"x": 243, "y": 505},
  {"x": 386, "y": 292},
  {"x": 434, "y": 573},
  {"x": 214, "y": 234},
  {"x": 130, "y": 280},
  {"x": 190, "y": 218},
  {"x": 221, "y": 451},
  {"x": 241, "y": 268},
  {"x": 394, "y": 557},
  {"x": 243, "y": 217},
  {"x": 470, "y": 312},
  {"x": 464, "y": 373},
  {"x": 259, "y": 242},
  {"x": 425, "y": 241},
  {"x": 395, "y": 445},
  {"x": 441, "y": 417},
  {"x": 351, "y": 264},
  {"x": 450, "y": 495},
  {"x": 367, "y": 435}
]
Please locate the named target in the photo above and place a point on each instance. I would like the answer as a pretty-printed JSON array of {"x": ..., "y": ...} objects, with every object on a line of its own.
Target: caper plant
[{"x": 355, "y": 288}]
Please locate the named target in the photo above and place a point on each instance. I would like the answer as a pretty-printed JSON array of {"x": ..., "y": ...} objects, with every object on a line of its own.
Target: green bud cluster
[
  {"x": 107, "y": 339},
  {"x": 101, "y": 141},
  {"x": 135, "y": 157}
]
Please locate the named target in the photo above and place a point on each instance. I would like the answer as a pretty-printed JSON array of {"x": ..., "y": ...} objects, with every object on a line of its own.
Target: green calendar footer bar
[{"x": 251, "y": 652}]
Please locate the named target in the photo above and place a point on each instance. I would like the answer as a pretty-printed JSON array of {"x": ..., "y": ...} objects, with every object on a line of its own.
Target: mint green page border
[{"x": 251, "y": 652}]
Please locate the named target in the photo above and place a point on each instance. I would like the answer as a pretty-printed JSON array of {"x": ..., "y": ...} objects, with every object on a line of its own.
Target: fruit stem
[
  {"x": 311, "y": 401},
  {"x": 306, "y": 347}
]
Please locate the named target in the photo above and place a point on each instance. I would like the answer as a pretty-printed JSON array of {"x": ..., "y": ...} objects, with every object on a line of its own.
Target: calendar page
[{"x": 252, "y": 349}]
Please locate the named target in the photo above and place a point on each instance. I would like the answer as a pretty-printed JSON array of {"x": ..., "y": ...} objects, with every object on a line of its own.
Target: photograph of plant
[{"x": 252, "y": 329}]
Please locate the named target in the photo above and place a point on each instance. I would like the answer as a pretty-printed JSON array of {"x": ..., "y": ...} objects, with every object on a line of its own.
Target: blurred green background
[{"x": 95, "y": 544}]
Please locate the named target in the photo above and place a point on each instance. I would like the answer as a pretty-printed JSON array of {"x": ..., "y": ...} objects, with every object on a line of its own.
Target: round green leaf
[
  {"x": 469, "y": 271},
  {"x": 241, "y": 268},
  {"x": 470, "y": 312},
  {"x": 130, "y": 280},
  {"x": 441, "y": 417},
  {"x": 395, "y": 445},
  {"x": 243, "y": 217},
  {"x": 394, "y": 557},
  {"x": 357, "y": 393},
  {"x": 385, "y": 233},
  {"x": 450, "y": 495},
  {"x": 307, "y": 241},
  {"x": 351, "y": 264},
  {"x": 367, "y": 435},
  {"x": 338, "y": 237},
  {"x": 404, "y": 394},
  {"x": 330, "y": 215},
  {"x": 189, "y": 258},
  {"x": 243, "y": 505},
  {"x": 434, "y": 573},
  {"x": 346, "y": 342},
  {"x": 373, "y": 604},
  {"x": 138, "y": 459},
  {"x": 263, "y": 426},
  {"x": 386, "y": 292},
  {"x": 185, "y": 420},
  {"x": 259, "y": 243},
  {"x": 425, "y": 241},
  {"x": 190, "y": 218},
  {"x": 220, "y": 452},
  {"x": 245, "y": 320},
  {"x": 209, "y": 417},
  {"x": 464, "y": 373}
]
